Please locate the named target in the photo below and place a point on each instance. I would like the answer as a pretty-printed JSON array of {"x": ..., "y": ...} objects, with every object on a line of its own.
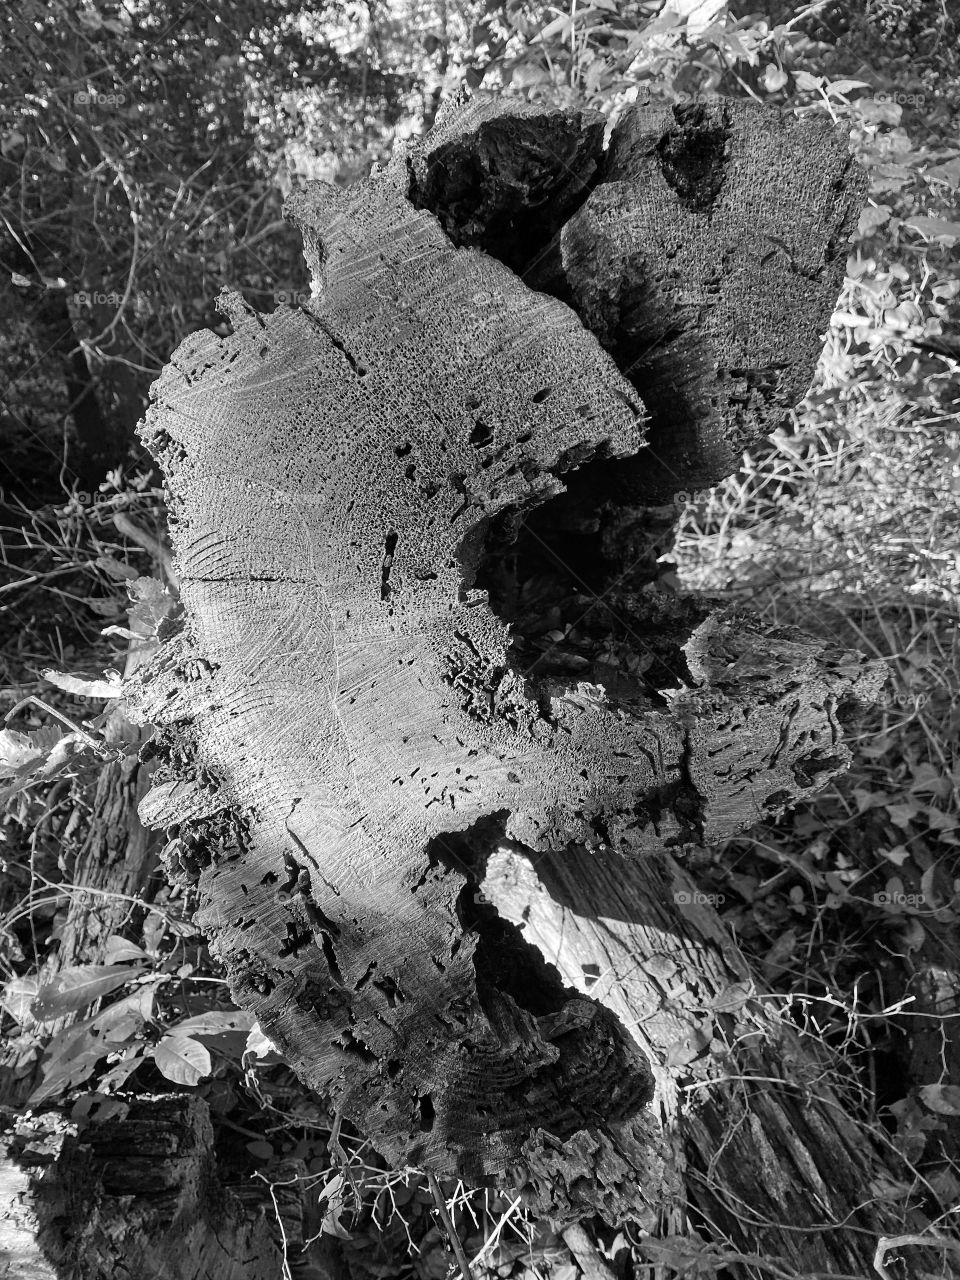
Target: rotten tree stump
[{"x": 348, "y": 719}]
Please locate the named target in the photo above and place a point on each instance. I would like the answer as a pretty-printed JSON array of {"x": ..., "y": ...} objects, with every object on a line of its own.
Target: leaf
[
  {"x": 732, "y": 998},
  {"x": 118, "y": 1075},
  {"x": 901, "y": 815},
  {"x": 125, "y": 1017},
  {"x": 182, "y": 1060},
  {"x": 843, "y": 87},
  {"x": 73, "y": 1055},
  {"x": 934, "y": 228},
  {"x": 928, "y": 886},
  {"x": 942, "y": 1098},
  {"x": 118, "y": 949},
  {"x": 779, "y": 954},
  {"x": 939, "y": 820},
  {"x": 17, "y": 750},
  {"x": 116, "y": 569},
  {"x": 216, "y": 1022},
  {"x": 806, "y": 82},
  {"x": 111, "y": 686},
  {"x": 152, "y": 603},
  {"x": 262, "y": 1149},
  {"x": 18, "y": 995},
  {"x": 76, "y": 988},
  {"x": 559, "y": 27},
  {"x": 258, "y": 1046}
]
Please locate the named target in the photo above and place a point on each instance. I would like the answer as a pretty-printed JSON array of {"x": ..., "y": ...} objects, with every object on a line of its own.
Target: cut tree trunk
[{"x": 347, "y": 729}]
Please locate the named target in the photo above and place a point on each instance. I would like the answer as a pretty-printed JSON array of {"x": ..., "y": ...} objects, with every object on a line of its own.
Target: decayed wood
[
  {"x": 706, "y": 253},
  {"x": 502, "y": 176},
  {"x": 344, "y": 730},
  {"x": 761, "y": 1121},
  {"x": 137, "y": 1193}
]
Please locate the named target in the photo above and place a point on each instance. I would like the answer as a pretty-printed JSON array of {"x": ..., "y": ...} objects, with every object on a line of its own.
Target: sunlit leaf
[
  {"x": 216, "y": 1022},
  {"x": 110, "y": 686},
  {"x": 182, "y": 1060},
  {"x": 942, "y": 1098},
  {"x": 18, "y": 995}
]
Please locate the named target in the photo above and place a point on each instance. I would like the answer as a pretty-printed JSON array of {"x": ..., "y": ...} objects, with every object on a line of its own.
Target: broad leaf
[
  {"x": 73, "y": 1055},
  {"x": 18, "y": 995},
  {"x": 125, "y": 1017},
  {"x": 108, "y": 687},
  {"x": 118, "y": 949},
  {"x": 216, "y": 1022},
  {"x": 942, "y": 1098},
  {"x": 76, "y": 988},
  {"x": 259, "y": 1047},
  {"x": 182, "y": 1060}
]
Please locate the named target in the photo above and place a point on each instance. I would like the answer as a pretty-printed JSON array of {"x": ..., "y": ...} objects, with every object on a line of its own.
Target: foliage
[{"x": 144, "y": 154}]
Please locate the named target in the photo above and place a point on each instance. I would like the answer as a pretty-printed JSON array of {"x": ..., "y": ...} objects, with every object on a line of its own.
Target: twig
[
  {"x": 149, "y": 543},
  {"x": 585, "y": 1251},
  {"x": 91, "y": 742},
  {"x": 449, "y": 1228},
  {"x": 494, "y": 1235},
  {"x": 886, "y": 1243}
]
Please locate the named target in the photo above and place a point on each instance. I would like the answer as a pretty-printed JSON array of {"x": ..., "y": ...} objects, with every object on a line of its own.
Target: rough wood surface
[
  {"x": 502, "y": 176},
  {"x": 343, "y": 725},
  {"x": 761, "y": 1121},
  {"x": 705, "y": 248},
  {"x": 137, "y": 1194}
]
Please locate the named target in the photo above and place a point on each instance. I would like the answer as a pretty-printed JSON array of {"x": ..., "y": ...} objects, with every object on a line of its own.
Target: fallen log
[{"x": 346, "y": 727}]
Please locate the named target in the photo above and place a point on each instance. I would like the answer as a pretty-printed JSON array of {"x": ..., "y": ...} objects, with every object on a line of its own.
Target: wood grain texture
[{"x": 344, "y": 732}]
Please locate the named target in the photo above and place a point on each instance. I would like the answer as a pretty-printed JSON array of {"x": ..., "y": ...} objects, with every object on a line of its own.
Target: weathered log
[
  {"x": 762, "y": 1122},
  {"x": 136, "y": 1193},
  {"x": 502, "y": 176},
  {"x": 706, "y": 253},
  {"x": 345, "y": 727}
]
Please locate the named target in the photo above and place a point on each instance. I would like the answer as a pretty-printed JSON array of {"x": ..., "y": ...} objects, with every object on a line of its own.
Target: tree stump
[{"x": 351, "y": 717}]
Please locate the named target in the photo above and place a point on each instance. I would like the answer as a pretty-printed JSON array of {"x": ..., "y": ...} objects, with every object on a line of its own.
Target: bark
[
  {"x": 765, "y": 1128},
  {"x": 345, "y": 726},
  {"x": 704, "y": 248},
  {"x": 137, "y": 1193}
]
